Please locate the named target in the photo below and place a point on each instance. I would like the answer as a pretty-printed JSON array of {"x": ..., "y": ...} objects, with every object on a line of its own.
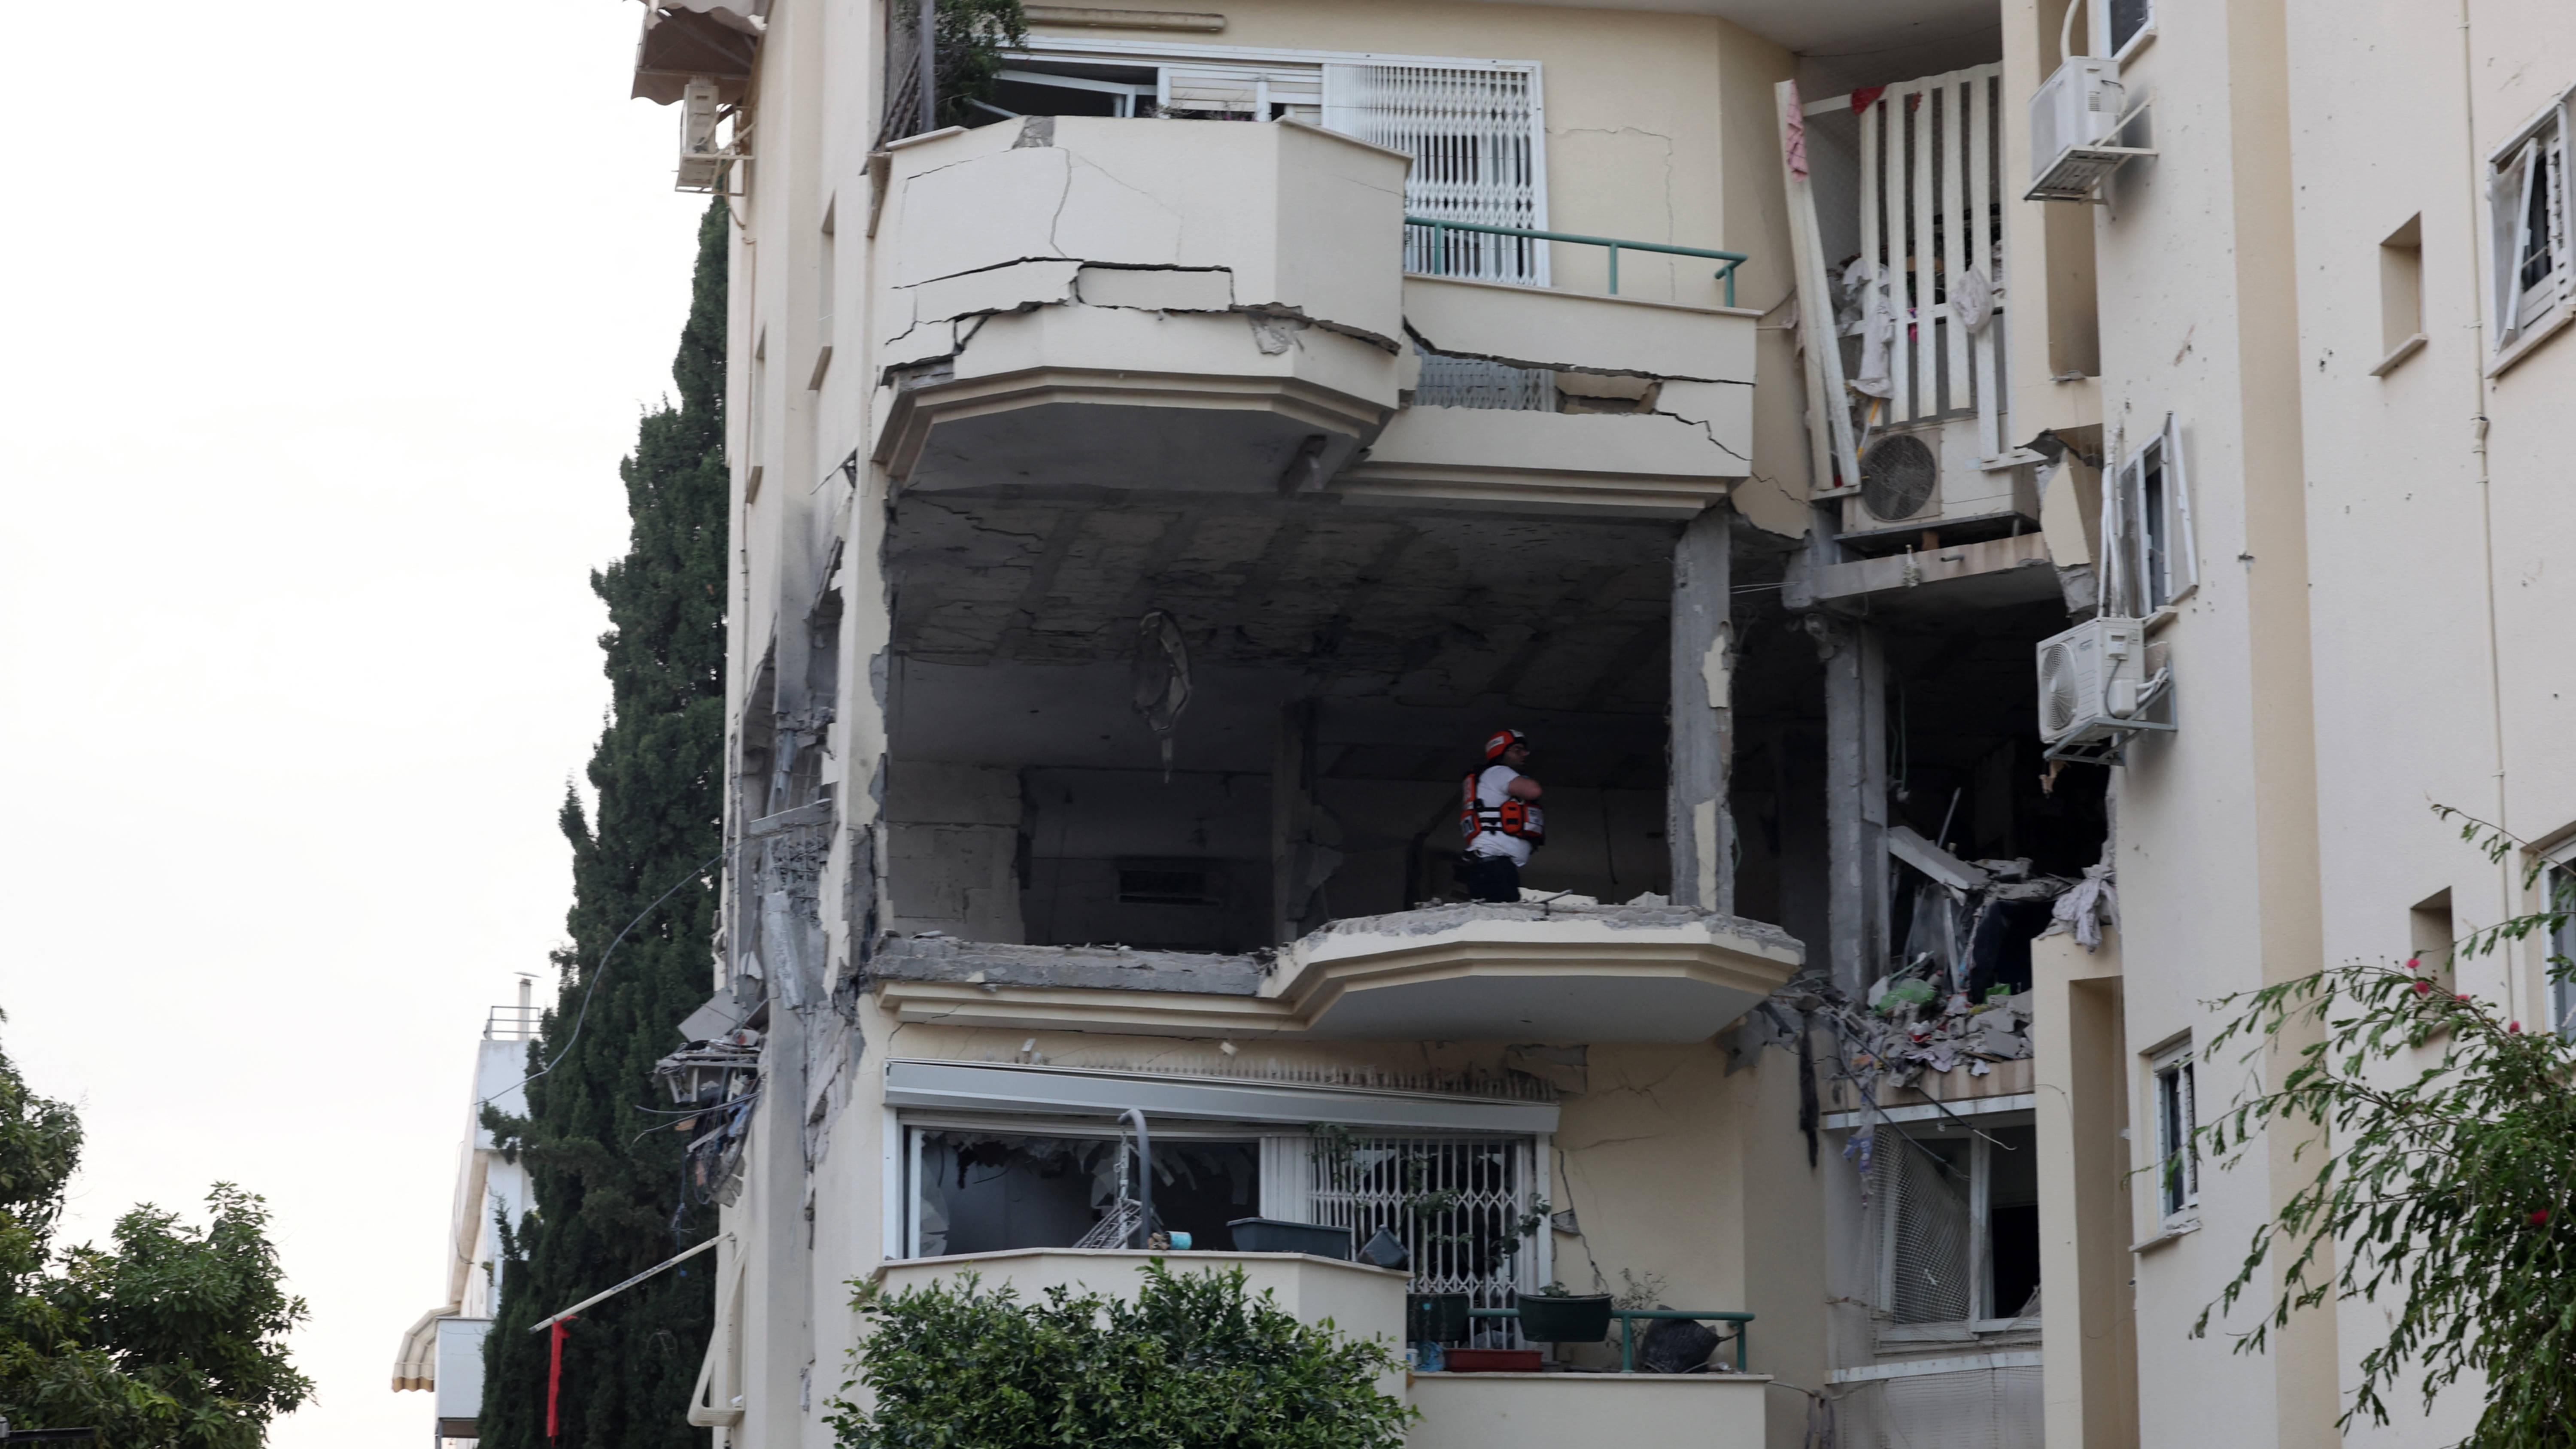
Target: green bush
[{"x": 1192, "y": 1363}]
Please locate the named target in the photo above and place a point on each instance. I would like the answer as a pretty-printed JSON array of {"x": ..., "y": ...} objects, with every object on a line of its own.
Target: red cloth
[{"x": 1866, "y": 97}]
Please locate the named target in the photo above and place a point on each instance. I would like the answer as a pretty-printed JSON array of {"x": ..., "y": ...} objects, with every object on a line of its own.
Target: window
[
  {"x": 829, "y": 275},
  {"x": 2401, "y": 294},
  {"x": 976, "y": 1191},
  {"x": 1474, "y": 128},
  {"x": 2128, "y": 18},
  {"x": 2429, "y": 934},
  {"x": 2177, "y": 1156},
  {"x": 2527, "y": 199},
  {"x": 1957, "y": 1214},
  {"x": 2148, "y": 555}
]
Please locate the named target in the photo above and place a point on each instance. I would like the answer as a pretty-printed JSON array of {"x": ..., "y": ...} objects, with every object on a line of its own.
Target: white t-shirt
[{"x": 1492, "y": 788}]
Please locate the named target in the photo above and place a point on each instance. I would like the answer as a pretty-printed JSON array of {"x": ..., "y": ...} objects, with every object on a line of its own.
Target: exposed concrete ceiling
[{"x": 1435, "y": 609}]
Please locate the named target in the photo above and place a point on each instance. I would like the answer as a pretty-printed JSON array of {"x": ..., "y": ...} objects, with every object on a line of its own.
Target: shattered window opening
[{"x": 990, "y": 1192}]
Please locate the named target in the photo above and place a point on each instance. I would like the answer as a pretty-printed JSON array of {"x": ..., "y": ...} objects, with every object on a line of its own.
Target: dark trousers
[{"x": 1489, "y": 878}]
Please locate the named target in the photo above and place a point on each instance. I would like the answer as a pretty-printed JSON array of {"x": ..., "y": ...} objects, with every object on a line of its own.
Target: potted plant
[{"x": 1552, "y": 1315}]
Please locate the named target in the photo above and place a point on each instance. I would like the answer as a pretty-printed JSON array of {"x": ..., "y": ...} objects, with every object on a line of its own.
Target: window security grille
[
  {"x": 1459, "y": 1205},
  {"x": 1930, "y": 215},
  {"x": 1473, "y": 133},
  {"x": 1475, "y": 129},
  {"x": 1920, "y": 1196}
]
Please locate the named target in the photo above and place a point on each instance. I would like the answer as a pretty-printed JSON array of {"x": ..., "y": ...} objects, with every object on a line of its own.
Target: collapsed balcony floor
[{"x": 1543, "y": 970}]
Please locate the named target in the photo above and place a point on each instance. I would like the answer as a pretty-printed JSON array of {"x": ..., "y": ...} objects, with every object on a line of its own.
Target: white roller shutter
[
  {"x": 1259, "y": 92},
  {"x": 1476, "y": 133}
]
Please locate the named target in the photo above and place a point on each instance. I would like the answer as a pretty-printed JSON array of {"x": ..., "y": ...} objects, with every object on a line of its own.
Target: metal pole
[
  {"x": 929, "y": 37},
  {"x": 1144, "y": 1180},
  {"x": 1614, "y": 269}
]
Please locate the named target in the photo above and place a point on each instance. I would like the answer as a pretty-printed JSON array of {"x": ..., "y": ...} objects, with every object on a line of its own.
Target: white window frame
[
  {"x": 1984, "y": 1315},
  {"x": 2559, "y": 874},
  {"x": 2137, "y": 580},
  {"x": 2516, "y": 172},
  {"x": 2172, "y": 1072},
  {"x": 1296, "y": 65},
  {"x": 2101, "y": 30}
]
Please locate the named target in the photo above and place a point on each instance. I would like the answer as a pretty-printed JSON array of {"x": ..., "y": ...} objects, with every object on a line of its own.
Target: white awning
[
  {"x": 416, "y": 1365},
  {"x": 716, "y": 39}
]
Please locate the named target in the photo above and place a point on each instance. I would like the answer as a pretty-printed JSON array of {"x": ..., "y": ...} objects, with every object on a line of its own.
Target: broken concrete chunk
[
  {"x": 1933, "y": 861},
  {"x": 1156, "y": 289}
]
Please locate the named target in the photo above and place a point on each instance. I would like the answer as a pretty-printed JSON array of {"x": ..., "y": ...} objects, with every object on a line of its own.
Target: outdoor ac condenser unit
[
  {"x": 702, "y": 161},
  {"x": 2073, "y": 119},
  {"x": 2092, "y": 680},
  {"x": 1931, "y": 477}
]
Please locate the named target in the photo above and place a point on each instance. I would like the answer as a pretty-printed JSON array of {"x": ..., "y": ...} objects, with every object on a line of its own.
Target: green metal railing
[
  {"x": 1628, "y": 1329},
  {"x": 1440, "y": 248}
]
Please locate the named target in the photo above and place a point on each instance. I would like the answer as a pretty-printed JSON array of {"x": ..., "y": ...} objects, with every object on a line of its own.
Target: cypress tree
[{"x": 609, "y": 1199}]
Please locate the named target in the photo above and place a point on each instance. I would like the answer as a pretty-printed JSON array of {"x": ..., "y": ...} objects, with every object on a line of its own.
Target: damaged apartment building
[{"x": 1879, "y": 454}]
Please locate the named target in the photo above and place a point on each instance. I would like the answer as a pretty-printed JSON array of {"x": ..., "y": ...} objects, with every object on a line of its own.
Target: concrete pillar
[
  {"x": 2089, "y": 1333},
  {"x": 1292, "y": 821},
  {"x": 1855, "y": 798},
  {"x": 1698, "y": 827}
]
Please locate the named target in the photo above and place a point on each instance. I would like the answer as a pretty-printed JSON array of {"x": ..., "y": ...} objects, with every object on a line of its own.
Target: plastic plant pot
[
  {"x": 1494, "y": 1361},
  {"x": 1435, "y": 1317},
  {"x": 1270, "y": 1235},
  {"x": 1564, "y": 1320}
]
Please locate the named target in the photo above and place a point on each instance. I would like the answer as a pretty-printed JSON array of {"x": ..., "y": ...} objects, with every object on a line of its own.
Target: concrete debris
[
  {"x": 1432, "y": 918},
  {"x": 1905, "y": 1035},
  {"x": 1162, "y": 678},
  {"x": 932, "y": 956}
]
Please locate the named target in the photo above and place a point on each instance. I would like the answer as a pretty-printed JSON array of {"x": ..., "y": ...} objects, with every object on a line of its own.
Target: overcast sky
[{"x": 325, "y": 331}]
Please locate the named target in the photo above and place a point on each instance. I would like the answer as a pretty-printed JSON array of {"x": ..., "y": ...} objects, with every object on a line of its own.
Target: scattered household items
[
  {"x": 719, "y": 1076},
  {"x": 1270, "y": 1235},
  {"x": 1562, "y": 1317}
]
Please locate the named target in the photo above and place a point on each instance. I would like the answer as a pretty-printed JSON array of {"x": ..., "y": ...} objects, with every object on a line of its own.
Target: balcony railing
[
  {"x": 1628, "y": 1327},
  {"x": 513, "y": 1023},
  {"x": 1440, "y": 248}
]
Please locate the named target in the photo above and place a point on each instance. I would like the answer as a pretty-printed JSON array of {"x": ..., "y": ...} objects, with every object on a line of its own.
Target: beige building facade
[{"x": 1909, "y": 467}]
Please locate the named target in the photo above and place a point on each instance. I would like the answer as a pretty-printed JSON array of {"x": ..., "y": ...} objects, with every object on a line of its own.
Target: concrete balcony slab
[{"x": 1450, "y": 973}]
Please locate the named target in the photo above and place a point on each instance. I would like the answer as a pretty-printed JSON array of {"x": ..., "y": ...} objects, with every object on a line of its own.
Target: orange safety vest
[{"x": 1515, "y": 817}]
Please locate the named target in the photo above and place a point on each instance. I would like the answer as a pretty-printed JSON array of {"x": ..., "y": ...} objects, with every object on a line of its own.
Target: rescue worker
[{"x": 1498, "y": 813}]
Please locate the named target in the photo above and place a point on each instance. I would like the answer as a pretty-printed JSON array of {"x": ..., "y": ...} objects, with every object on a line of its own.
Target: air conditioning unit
[
  {"x": 2073, "y": 120},
  {"x": 1931, "y": 476},
  {"x": 2092, "y": 681},
  {"x": 702, "y": 161}
]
